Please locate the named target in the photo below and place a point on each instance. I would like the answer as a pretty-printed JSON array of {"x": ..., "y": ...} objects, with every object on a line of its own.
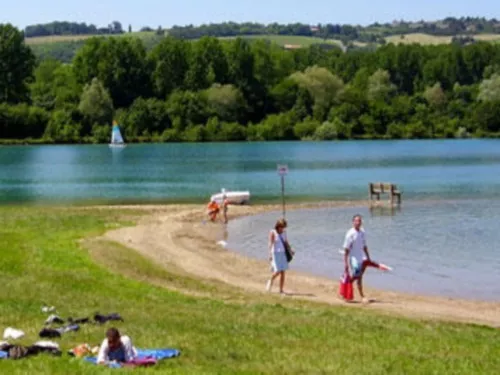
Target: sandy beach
[{"x": 178, "y": 238}]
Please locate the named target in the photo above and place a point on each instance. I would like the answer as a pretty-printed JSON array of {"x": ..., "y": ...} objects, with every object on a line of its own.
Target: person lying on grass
[{"x": 116, "y": 348}]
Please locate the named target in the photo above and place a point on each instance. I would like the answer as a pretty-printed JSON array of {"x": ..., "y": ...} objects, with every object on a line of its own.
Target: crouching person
[{"x": 116, "y": 348}]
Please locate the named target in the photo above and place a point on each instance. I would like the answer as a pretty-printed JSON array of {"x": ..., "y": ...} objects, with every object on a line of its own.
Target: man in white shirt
[
  {"x": 116, "y": 348},
  {"x": 356, "y": 255}
]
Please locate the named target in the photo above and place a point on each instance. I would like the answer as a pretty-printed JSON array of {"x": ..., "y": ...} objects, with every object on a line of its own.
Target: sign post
[{"x": 283, "y": 171}]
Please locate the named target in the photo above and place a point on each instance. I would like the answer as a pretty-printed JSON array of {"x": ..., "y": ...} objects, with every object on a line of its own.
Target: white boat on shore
[{"x": 233, "y": 197}]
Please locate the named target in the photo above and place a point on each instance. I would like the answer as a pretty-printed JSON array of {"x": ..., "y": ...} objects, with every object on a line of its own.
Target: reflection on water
[
  {"x": 444, "y": 248},
  {"x": 317, "y": 170},
  {"x": 386, "y": 210}
]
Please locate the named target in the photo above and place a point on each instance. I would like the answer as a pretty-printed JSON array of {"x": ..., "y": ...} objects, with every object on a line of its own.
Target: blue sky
[{"x": 152, "y": 13}]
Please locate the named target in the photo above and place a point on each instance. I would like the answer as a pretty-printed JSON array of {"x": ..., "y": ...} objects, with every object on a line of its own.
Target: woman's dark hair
[{"x": 113, "y": 334}]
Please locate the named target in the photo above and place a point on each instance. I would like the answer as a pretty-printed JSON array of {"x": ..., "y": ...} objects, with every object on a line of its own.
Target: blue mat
[
  {"x": 3, "y": 354},
  {"x": 157, "y": 354}
]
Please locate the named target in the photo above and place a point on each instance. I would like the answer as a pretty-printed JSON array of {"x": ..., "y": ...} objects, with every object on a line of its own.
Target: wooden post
[
  {"x": 283, "y": 194},
  {"x": 282, "y": 171}
]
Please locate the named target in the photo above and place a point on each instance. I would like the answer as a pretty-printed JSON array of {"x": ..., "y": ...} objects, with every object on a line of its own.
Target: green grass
[
  {"x": 427, "y": 39},
  {"x": 279, "y": 39},
  {"x": 303, "y": 41},
  {"x": 72, "y": 38},
  {"x": 43, "y": 261}
]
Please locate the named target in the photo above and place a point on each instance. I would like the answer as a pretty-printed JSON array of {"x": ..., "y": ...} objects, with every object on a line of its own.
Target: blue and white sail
[{"x": 116, "y": 137}]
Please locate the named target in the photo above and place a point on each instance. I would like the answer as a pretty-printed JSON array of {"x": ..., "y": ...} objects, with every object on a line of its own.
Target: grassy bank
[{"x": 43, "y": 261}]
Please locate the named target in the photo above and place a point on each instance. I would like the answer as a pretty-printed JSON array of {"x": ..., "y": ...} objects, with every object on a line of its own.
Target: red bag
[{"x": 345, "y": 289}]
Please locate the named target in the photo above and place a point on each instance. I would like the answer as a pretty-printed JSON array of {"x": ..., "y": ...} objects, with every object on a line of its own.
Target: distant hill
[{"x": 61, "y": 40}]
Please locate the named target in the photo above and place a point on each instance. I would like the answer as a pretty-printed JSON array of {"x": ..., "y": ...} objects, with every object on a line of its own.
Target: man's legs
[
  {"x": 357, "y": 271},
  {"x": 360, "y": 287}
]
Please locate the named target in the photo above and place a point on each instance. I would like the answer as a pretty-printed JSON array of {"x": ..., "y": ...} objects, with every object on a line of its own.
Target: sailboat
[{"x": 116, "y": 137}]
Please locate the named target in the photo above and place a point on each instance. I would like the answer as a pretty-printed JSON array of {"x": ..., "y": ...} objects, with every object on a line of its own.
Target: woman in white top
[
  {"x": 277, "y": 255},
  {"x": 116, "y": 348}
]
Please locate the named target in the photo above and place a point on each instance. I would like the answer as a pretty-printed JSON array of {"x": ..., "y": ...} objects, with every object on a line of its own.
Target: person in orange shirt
[{"x": 213, "y": 210}]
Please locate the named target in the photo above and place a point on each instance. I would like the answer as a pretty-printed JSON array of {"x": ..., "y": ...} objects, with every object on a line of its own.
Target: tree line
[
  {"x": 450, "y": 26},
  {"x": 234, "y": 90},
  {"x": 71, "y": 28}
]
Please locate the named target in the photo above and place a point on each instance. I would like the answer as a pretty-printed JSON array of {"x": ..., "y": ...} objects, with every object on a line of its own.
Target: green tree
[
  {"x": 96, "y": 105},
  {"x": 170, "y": 63},
  {"x": 489, "y": 90},
  {"x": 65, "y": 87},
  {"x": 16, "y": 65},
  {"x": 195, "y": 133},
  {"x": 435, "y": 96},
  {"x": 42, "y": 89},
  {"x": 207, "y": 64},
  {"x": 187, "y": 108},
  {"x": 146, "y": 116},
  {"x": 306, "y": 129},
  {"x": 269, "y": 65},
  {"x": 324, "y": 87},
  {"x": 379, "y": 86},
  {"x": 119, "y": 63},
  {"x": 284, "y": 95},
  {"x": 224, "y": 131},
  {"x": 63, "y": 126},
  {"x": 21, "y": 121},
  {"x": 273, "y": 128},
  {"x": 327, "y": 131},
  {"x": 226, "y": 102}
]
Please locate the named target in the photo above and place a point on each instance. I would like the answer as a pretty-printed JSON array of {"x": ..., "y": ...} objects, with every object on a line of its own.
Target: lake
[
  {"x": 443, "y": 241},
  {"x": 434, "y": 169},
  {"x": 442, "y": 248}
]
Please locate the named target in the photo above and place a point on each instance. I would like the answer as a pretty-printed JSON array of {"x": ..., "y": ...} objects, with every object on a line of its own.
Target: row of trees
[
  {"x": 449, "y": 26},
  {"x": 371, "y": 34},
  {"x": 236, "y": 90},
  {"x": 71, "y": 28},
  {"x": 228, "y": 29}
]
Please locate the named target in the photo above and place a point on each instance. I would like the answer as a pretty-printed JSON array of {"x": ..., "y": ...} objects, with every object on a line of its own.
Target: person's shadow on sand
[
  {"x": 370, "y": 301},
  {"x": 297, "y": 294}
]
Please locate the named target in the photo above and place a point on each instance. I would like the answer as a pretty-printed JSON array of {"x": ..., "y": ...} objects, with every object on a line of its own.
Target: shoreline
[
  {"x": 148, "y": 141},
  {"x": 176, "y": 238}
]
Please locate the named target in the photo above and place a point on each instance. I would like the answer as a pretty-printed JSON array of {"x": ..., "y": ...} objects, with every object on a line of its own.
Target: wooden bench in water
[{"x": 378, "y": 188}]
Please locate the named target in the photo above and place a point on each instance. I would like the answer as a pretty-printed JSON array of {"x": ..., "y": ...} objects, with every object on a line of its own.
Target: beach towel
[{"x": 145, "y": 357}]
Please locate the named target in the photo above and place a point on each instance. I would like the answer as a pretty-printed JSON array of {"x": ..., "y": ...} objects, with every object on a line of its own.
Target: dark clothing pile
[{"x": 19, "y": 351}]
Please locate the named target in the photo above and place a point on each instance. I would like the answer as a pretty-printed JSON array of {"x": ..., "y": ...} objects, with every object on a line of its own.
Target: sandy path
[{"x": 175, "y": 237}]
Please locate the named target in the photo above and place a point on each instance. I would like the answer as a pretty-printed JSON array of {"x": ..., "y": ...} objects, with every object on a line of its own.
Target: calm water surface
[
  {"x": 424, "y": 170},
  {"x": 447, "y": 248},
  {"x": 444, "y": 240}
]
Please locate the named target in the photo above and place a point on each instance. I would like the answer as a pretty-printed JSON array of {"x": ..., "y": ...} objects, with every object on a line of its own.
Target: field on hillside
[
  {"x": 303, "y": 41},
  {"x": 219, "y": 329},
  {"x": 71, "y": 38},
  {"x": 279, "y": 39},
  {"x": 432, "y": 39}
]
